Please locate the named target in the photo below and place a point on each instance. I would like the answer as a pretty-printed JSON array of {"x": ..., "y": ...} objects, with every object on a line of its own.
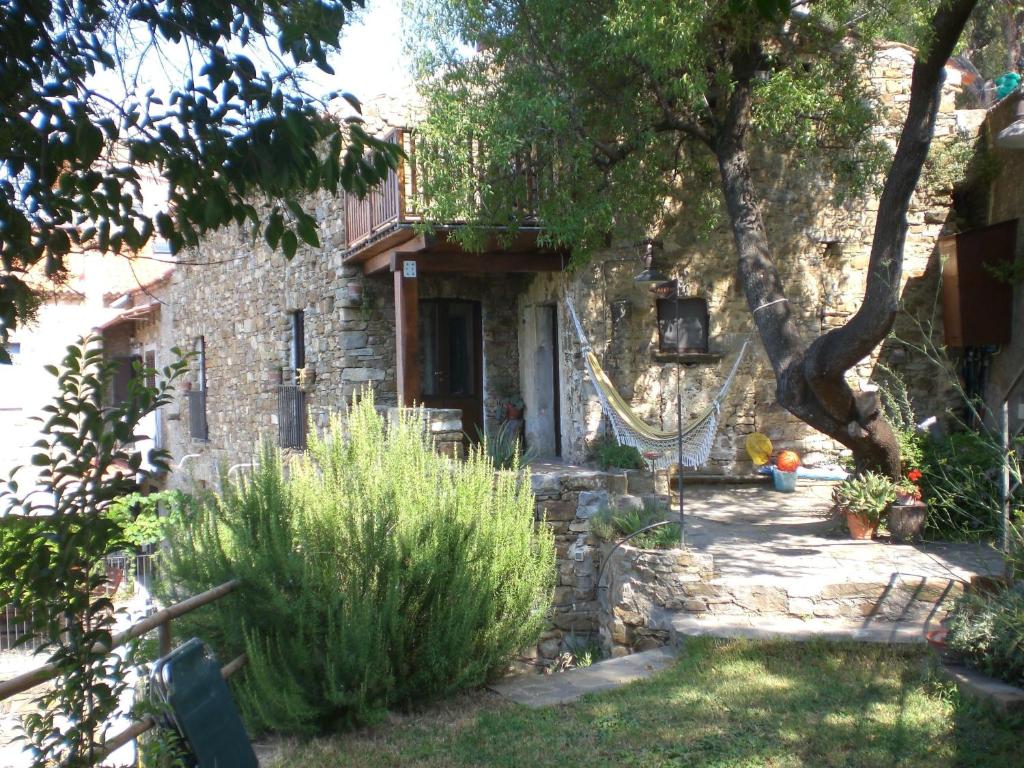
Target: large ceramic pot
[
  {"x": 906, "y": 520},
  {"x": 860, "y": 527}
]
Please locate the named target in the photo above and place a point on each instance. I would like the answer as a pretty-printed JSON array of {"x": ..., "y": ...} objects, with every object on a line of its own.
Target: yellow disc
[{"x": 759, "y": 447}]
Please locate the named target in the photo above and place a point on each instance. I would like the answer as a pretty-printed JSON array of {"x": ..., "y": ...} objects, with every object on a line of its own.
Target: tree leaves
[{"x": 234, "y": 133}]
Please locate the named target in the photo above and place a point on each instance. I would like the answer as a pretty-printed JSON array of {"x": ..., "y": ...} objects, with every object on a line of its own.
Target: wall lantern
[{"x": 650, "y": 275}]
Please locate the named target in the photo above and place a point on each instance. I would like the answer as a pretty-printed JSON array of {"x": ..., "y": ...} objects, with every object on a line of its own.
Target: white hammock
[{"x": 630, "y": 429}]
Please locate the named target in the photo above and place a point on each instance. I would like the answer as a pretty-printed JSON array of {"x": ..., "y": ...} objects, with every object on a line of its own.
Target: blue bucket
[{"x": 784, "y": 481}]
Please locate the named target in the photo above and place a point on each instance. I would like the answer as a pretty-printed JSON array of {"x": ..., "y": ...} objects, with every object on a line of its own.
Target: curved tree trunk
[{"x": 812, "y": 381}]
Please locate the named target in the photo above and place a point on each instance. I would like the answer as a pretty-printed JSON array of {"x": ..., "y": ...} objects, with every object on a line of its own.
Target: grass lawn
[{"x": 726, "y": 703}]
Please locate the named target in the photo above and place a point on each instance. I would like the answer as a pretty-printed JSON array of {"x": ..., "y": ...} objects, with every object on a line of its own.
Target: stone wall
[
  {"x": 822, "y": 250},
  {"x": 641, "y": 587}
]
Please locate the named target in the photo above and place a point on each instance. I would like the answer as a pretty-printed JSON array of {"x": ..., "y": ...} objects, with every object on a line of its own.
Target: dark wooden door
[{"x": 451, "y": 359}]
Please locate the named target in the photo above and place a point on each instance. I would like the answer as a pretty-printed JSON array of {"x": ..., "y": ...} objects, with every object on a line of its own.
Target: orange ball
[{"x": 787, "y": 461}]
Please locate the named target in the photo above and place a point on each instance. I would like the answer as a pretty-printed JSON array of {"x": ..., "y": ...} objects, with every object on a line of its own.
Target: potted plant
[
  {"x": 514, "y": 407},
  {"x": 863, "y": 500},
  {"x": 906, "y": 516}
]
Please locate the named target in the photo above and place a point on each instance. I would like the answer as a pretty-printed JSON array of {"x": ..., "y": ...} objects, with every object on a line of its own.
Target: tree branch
[{"x": 842, "y": 347}]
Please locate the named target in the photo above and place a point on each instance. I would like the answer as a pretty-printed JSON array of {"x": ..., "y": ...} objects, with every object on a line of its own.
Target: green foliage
[
  {"x": 374, "y": 573},
  {"x": 504, "y": 448},
  {"x": 75, "y": 156},
  {"x": 989, "y": 631},
  {"x": 612, "y": 524},
  {"x": 867, "y": 495},
  {"x": 899, "y": 412},
  {"x": 608, "y": 454},
  {"x": 613, "y": 106},
  {"x": 48, "y": 554},
  {"x": 960, "y": 483},
  {"x": 146, "y": 519}
]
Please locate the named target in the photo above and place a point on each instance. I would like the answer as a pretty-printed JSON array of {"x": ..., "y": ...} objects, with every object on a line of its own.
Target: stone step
[
  {"x": 534, "y": 690},
  {"x": 789, "y": 628},
  {"x": 900, "y": 598}
]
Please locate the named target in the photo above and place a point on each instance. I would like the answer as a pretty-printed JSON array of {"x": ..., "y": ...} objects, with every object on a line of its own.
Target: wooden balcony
[
  {"x": 390, "y": 203},
  {"x": 385, "y": 217}
]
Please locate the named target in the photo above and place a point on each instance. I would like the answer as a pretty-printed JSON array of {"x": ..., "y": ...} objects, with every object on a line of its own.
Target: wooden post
[{"x": 407, "y": 331}]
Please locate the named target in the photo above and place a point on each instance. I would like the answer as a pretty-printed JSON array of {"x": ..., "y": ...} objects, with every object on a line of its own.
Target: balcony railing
[
  {"x": 391, "y": 201},
  {"x": 398, "y": 198}
]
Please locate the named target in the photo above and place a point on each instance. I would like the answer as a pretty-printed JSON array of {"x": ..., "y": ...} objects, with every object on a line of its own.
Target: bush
[
  {"x": 611, "y": 525},
  {"x": 608, "y": 454},
  {"x": 374, "y": 573},
  {"x": 960, "y": 483},
  {"x": 989, "y": 632}
]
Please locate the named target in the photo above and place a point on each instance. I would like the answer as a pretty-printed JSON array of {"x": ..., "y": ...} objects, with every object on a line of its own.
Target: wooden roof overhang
[
  {"x": 392, "y": 250},
  {"x": 440, "y": 252}
]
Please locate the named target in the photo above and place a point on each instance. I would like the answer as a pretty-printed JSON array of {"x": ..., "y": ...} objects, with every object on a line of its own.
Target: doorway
[
  {"x": 538, "y": 358},
  {"x": 451, "y": 359}
]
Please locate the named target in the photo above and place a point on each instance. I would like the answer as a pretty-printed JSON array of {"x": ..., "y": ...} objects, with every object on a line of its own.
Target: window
[
  {"x": 298, "y": 344},
  {"x": 683, "y": 325},
  {"x": 291, "y": 417},
  {"x": 197, "y": 425}
]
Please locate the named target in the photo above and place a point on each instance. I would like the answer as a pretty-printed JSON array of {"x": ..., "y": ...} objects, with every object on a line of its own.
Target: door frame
[{"x": 444, "y": 401}]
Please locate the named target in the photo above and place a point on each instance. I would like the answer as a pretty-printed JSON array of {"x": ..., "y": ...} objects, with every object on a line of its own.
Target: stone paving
[
  {"x": 761, "y": 536},
  {"x": 783, "y": 569},
  {"x": 536, "y": 691}
]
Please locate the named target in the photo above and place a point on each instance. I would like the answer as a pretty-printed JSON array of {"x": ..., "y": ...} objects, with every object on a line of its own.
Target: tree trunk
[
  {"x": 831, "y": 407},
  {"x": 811, "y": 382}
]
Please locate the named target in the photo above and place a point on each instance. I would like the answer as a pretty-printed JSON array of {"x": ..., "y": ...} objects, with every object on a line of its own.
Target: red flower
[{"x": 914, "y": 475}]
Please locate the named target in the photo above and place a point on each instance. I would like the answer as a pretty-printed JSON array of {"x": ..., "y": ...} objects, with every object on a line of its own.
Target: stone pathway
[
  {"x": 783, "y": 569},
  {"x": 535, "y": 691}
]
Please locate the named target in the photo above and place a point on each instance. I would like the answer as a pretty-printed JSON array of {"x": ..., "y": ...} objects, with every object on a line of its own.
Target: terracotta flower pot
[
  {"x": 860, "y": 527},
  {"x": 512, "y": 413}
]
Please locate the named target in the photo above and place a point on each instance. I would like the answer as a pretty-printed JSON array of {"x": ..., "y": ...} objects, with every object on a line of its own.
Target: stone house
[{"x": 383, "y": 304}]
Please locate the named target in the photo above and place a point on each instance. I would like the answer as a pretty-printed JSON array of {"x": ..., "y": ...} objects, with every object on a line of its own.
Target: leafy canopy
[
  {"x": 76, "y": 154},
  {"x": 615, "y": 105}
]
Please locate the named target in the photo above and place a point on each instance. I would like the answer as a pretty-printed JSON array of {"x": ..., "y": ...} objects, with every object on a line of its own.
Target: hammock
[{"x": 630, "y": 429}]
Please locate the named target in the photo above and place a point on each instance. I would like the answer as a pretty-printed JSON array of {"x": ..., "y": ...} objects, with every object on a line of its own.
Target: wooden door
[{"x": 451, "y": 359}]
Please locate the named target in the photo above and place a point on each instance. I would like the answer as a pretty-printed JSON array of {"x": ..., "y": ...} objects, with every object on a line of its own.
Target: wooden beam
[
  {"x": 407, "y": 335},
  {"x": 386, "y": 260},
  {"x": 475, "y": 263}
]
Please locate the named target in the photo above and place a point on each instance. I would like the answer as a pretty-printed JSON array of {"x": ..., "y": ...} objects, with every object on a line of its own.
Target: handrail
[{"x": 46, "y": 672}]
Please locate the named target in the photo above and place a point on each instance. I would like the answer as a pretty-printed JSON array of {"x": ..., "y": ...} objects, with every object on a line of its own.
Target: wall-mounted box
[{"x": 977, "y": 304}]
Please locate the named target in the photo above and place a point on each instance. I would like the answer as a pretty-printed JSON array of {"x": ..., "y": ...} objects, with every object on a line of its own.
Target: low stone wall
[
  {"x": 444, "y": 425},
  {"x": 640, "y": 587},
  {"x": 566, "y": 498}
]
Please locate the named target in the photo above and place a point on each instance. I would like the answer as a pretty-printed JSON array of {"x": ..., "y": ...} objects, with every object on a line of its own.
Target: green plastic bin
[{"x": 188, "y": 680}]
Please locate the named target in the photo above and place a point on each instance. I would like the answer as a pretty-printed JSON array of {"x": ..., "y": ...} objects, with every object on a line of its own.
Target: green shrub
[
  {"x": 608, "y": 454},
  {"x": 867, "y": 495},
  {"x": 989, "y": 632},
  {"x": 504, "y": 447},
  {"x": 374, "y": 573},
  {"x": 961, "y": 485},
  {"x": 611, "y": 525}
]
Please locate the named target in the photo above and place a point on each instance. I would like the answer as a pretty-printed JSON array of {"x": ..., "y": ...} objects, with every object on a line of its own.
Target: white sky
[{"x": 371, "y": 61}]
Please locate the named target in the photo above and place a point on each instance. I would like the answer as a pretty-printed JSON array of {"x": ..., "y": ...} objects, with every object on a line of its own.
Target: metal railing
[
  {"x": 159, "y": 621},
  {"x": 198, "y": 429},
  {"x": 1012, "y": 451},
  {"x": 398, "y": 198},
  {"x": 291, "y": 416},
  {"x": 126, "y": 574}
]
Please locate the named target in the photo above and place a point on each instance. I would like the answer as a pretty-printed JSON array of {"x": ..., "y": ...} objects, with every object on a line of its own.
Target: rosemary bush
[{"x": 374, "y": 572}]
